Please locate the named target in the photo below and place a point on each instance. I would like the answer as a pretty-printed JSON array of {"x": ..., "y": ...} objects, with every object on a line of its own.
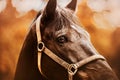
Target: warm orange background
[{"x": 13, "y": 30}]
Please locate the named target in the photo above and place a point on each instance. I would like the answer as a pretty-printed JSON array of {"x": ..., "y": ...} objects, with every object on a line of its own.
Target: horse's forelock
[{"x": 64, "y": 18}]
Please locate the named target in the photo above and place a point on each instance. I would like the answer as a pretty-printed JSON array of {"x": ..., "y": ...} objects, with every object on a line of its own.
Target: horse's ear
[
  {"x": 50, "y": 9},
  {"x": 72, "y": 5}
]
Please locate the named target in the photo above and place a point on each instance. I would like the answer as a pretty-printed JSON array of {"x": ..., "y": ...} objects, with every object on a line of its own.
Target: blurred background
[{"x": 101, "y": 18}]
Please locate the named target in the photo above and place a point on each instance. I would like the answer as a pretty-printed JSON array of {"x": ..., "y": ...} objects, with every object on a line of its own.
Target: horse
[{"x": 57, "y": 47}]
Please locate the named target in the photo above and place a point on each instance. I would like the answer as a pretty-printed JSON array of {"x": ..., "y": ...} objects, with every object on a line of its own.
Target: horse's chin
[{"x": 96, "y": 70}]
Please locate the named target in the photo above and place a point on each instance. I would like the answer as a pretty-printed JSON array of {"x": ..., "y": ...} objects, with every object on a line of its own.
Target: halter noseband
[{"x": 71, "y": 68}]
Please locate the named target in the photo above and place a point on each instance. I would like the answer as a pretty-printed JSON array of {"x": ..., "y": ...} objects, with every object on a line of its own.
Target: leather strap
[{"x": 39, "y": 40}]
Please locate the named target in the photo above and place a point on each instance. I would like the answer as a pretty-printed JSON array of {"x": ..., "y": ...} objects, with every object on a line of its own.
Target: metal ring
[
  {"x": 40, "y": 46},
  {"x": 72, "y": 69}
]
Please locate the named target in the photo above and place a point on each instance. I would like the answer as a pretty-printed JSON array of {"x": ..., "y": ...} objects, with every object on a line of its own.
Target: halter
[{"x": 71, "y": 68}]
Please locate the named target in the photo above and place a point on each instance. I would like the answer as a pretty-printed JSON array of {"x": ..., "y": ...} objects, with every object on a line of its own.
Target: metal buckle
[
  {"x": 40, "y": 46},
  {"x": 72, "y": 69}
]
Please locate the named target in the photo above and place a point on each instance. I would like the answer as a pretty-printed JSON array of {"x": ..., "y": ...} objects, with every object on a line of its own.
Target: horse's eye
[{"x": 62, "y": 39}]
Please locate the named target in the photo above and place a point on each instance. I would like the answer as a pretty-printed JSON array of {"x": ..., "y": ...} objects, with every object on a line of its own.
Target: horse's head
[
  {"x": 65, "y": 37},
  {"x": 62, "y": 33}
]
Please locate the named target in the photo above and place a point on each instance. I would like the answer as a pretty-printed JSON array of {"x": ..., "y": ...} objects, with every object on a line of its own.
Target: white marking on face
[
  {"x": 80, "y": 30},
  {"x": 61, "y": 32}
]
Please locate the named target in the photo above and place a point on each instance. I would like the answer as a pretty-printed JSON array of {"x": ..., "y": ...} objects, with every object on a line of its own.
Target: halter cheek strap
[
  {"x": 39, "y": 40},
  {"x": 71, "y": 68}
]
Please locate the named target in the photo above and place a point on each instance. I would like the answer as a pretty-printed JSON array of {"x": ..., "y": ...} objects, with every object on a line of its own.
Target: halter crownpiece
[{"x": 72, "y": 68}]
